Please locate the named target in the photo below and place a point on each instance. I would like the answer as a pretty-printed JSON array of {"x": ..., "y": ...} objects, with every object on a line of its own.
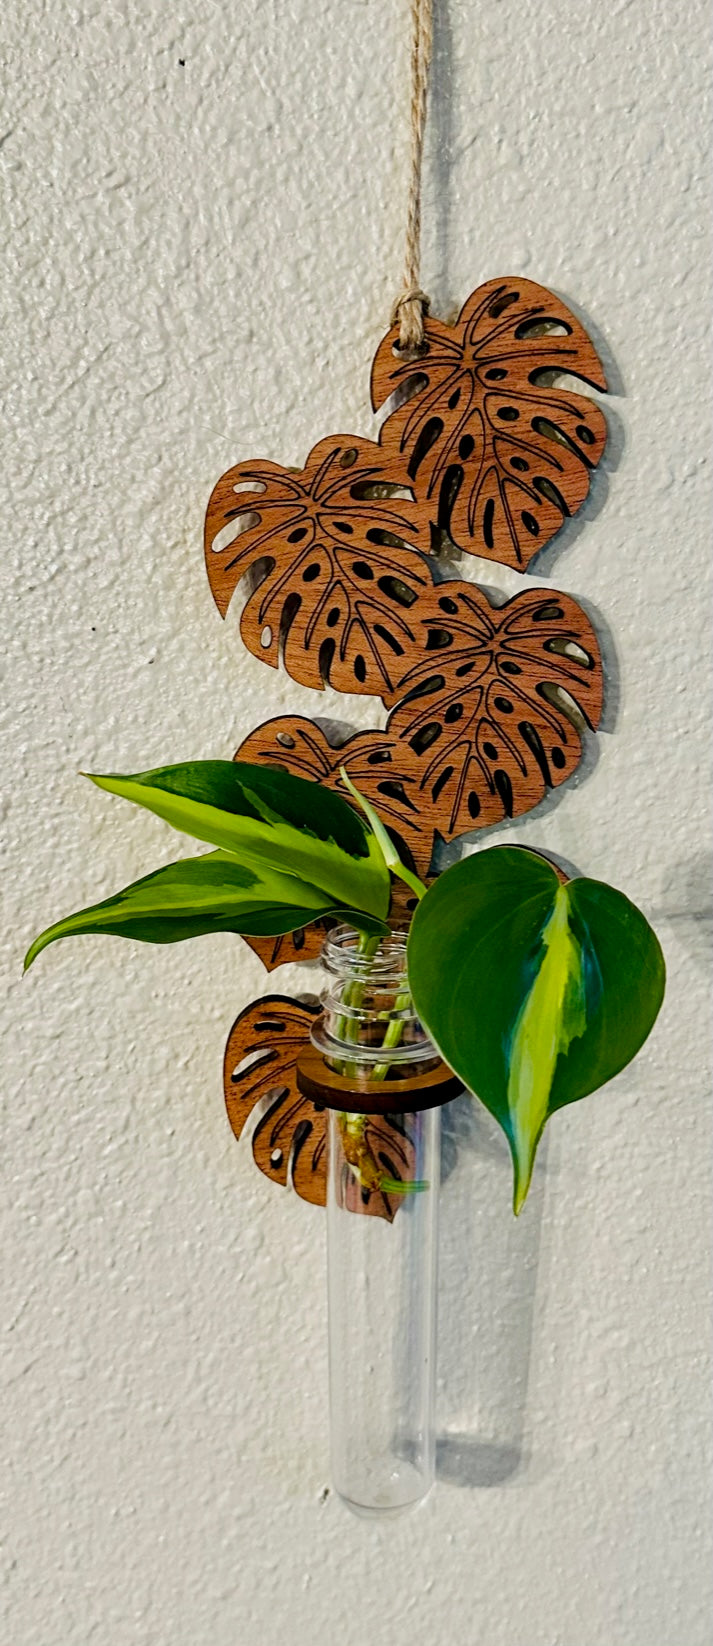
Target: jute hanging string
[{"x": 409, "y": 309}]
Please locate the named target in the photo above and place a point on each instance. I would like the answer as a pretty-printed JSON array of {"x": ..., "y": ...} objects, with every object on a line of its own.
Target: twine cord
[{"x": 410, "y": 308}]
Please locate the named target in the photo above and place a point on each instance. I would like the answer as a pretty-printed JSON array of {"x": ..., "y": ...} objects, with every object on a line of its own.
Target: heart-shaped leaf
[
  {"x": 332, "y": 546},
  {"x": 491, "y": 714},
  {"x": 500, "y": 455},
  {"x": 534, "y": 992}
]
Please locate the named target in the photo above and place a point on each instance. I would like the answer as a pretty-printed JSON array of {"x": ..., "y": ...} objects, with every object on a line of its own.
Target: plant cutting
[{"x": 535, "y": 990}]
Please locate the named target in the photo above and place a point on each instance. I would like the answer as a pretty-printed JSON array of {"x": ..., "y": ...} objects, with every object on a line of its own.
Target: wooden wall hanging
[{"x": 482, "y": 450}]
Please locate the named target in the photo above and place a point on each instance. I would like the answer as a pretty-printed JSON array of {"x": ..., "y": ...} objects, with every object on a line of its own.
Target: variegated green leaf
[
  {"x": 270, "y": 819},
  {"x": 214, "y": 893},
  {"x": 534, "y": 992}
]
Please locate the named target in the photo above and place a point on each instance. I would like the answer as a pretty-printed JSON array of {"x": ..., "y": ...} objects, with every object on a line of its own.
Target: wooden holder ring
[{"x": 354, "y": 1094}]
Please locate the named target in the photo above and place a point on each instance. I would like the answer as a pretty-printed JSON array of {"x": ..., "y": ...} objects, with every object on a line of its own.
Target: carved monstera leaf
[
  {"x": 493, "y": 711},
  {"x": 500, "y": 455},
  {"x": 260, "y": 1067},
  {"x": 289, "y": 1140},
  {"x": 332, "y": 549}
]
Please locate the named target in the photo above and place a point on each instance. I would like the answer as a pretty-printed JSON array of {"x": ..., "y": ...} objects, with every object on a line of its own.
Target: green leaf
[
  {"x": 214, "y": 893},
  {"x": 535, "y": 993},
  {"x": 390, "y": 854},
  {"x": 270, "y": 819}
]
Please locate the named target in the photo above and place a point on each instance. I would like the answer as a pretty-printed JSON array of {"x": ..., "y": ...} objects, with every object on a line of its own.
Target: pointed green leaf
[
  {"x": 390, "y": 854},
  {"x": 535, "y": 993},
  {"x": 214, "y": 893},
  {"x": 269, "y": 819}
]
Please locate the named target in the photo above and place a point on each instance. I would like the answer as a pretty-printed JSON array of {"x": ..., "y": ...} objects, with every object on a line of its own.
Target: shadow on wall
[{"x": 487, "y": 1284}]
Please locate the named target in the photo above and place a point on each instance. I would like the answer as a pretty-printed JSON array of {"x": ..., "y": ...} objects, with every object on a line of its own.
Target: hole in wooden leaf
[
  {"x": 547, "y": 489},
  {"x": 569, "y": 648},
  {"x": 396, "y": 590},
  {"x": 558, "y": 758},
  {"x": 251, "y": 1063},
  {"x": 506, "y": 667},
  {"x": 426, "y": 736},
  {"x": 425, "y": 688},
  {"x": 284, "y": 739},
  {"x": 384, "y": 539},
  {"x": 297, "y": 535},
  {"x": 287, "y": 617},
  {"x": 250, "y": 486},
  {"x": 361, "y": 568},
  {"x": 453, "y": 713},
  {"x": 448, "y": 605},
  {"x": 531, "y": 737},
  {"x": 379, "y": 757},
  {"x": 430, "y": 433},
  {"x": 332, "y": 617},
  {"x": 549, "y": 613},
  {"x": 266, "y": 637},
  {"x": 270, "y": 1025},
  {"x": 389, "y": 639},
  {"x": 343, "y": 526},
  {"x": 311, "y": 572},
  {"x": 241, "y": 522},
  {"x": 504, "y": 788},
  {"x": 473, "y": 804},
  {"x": 438, "y": 639},
  {"x": 495, "y": 374},
  {"x": 348, "y": 457},
  {"x": 530, "y": 523},
  {"x": 561, "y": 700},
  {"x": 453, "y": 402},
  {"x": 488, "y": 517},
  {"x": 519, "y": 463},
  {"x": 415, "y": 351},
  {"x": 490, "y": 750},
  {"x": 440, "y": 783},
  {"x": 502, "y": 303},
  {"x": 584, "y": 434},
  {"x": 326, "y": 653},
  {"x": 466, "y": 447},
  {"x": 543, "y": 328},
  {"x": 404, "y": 391},
  {"x": 450, "y": 487},
  {"x": 507, "y": 414},
  {"x": 550, "y": 431},
  {"x": 365, "y": 489},
  {"x": 396, "y": 791},
  {"x": 503, "y": 705},
  {"x": 276, "y": 1158},
  {"x": 360, "y": 669}
]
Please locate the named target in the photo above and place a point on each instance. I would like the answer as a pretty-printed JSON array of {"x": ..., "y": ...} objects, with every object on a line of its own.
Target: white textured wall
[{"x": 199, "y": 261}]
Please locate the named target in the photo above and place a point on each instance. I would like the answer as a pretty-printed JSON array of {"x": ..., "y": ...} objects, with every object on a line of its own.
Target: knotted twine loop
[{"x": 412, "y": 305}]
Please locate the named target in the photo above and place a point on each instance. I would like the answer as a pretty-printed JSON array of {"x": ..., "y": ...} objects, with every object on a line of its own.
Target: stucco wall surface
[{"x": 203, "y": 211}]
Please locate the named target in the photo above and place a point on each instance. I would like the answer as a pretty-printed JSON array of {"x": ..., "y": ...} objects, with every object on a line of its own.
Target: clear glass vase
[{"x": 382, "y": 1210}]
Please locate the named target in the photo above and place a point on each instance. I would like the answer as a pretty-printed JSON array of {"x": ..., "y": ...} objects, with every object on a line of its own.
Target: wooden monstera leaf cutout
[
  {"x": 289, "y": 1139},
  {"x": 332, "y": 547},
  {"x": 498, "y": 453},
  {"x": 382, "y": 768},
  {"x": 492, "y": 713}
]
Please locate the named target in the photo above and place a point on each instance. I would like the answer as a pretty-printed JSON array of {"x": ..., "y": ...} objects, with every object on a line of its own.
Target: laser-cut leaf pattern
[
  {"x": 336, "y": 561},
  {"x": 500, "y": 455},
  {"x": 493, "y": 710},
  {"x": 289, "y": 1140}
]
